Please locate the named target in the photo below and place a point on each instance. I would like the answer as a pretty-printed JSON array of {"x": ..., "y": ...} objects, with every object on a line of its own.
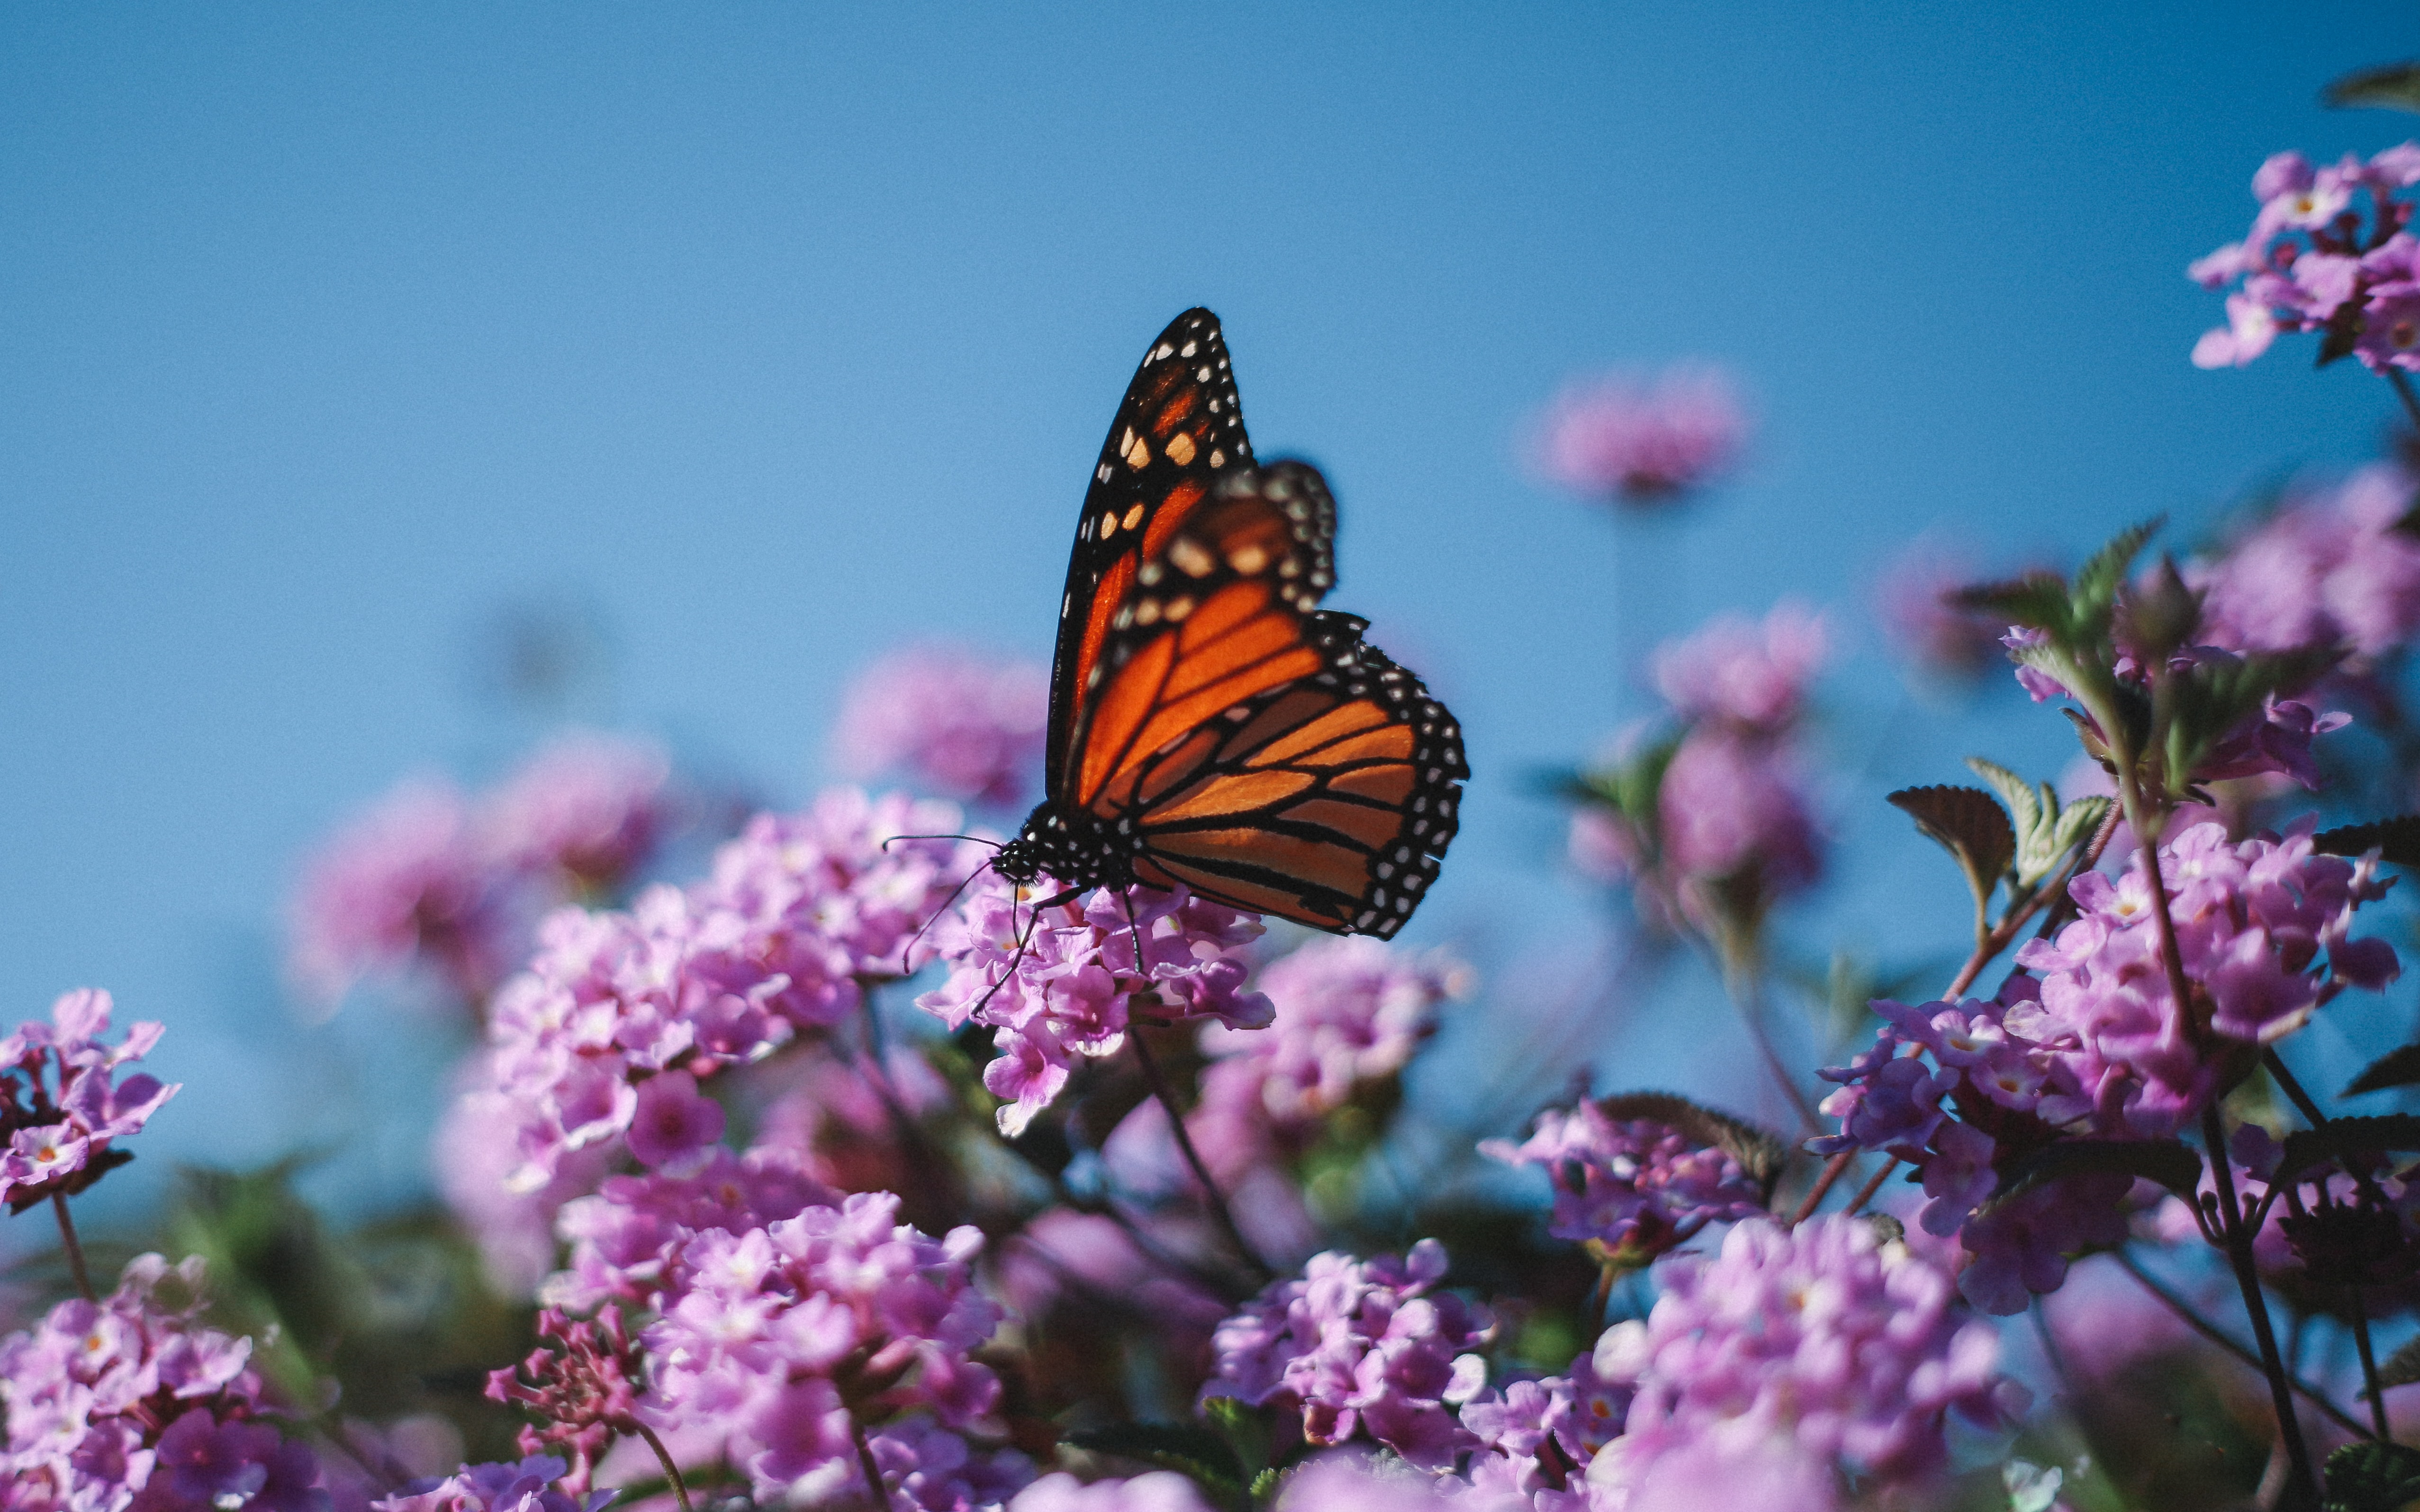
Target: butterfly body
[{"x": 1210, "y": 725}]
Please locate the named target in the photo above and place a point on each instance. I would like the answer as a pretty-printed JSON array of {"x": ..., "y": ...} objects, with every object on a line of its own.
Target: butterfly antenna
[
  {"x": 976, "y": 839},
  {"x": 909, "y": 948}
]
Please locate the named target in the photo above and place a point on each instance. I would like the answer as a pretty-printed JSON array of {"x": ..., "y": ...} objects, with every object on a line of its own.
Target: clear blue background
[{"x": 774, "y": 334}]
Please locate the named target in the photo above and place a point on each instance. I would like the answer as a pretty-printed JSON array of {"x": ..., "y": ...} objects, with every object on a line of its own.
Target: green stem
[
  {"x": 671, "y": 1471},
  {"x": 2369, "y": 1365},
  {"x": 74, "y": 1249},
  {"x": 2203, "y": 1326},
  {"x": 1212, "y": 1197}
]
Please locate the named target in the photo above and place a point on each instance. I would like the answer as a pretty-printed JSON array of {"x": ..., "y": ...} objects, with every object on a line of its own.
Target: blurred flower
[
  {"x": 1362, "y": 1346},
  {"x": 2310, "y": 262},
  {"x": 59, "y": 1106},
  {"x": 130, "y": 1402},
  {"x": 588, "y": 808},
  {"x": 791, "y": 1338},
  {"x": 1737, "y": 671},
  {"x": 1636, "y": 1187},
  {"x": 1643, "y": 441},
  {"x": 1161, "y": 1490},
  {"x": 1911, "y": 596},
  {"x": 963, "y": 724},
  {"x": 2327, "y": 568},
  {"x": 1074, "y": 987},
  {"x": 528, "y": 1487},
  {"x": 1792, "y": 1355},
  {"x": 1731, "y": 809},
  {"x": 402, "y": 884},
  {"x": 477, "y": 1154}
]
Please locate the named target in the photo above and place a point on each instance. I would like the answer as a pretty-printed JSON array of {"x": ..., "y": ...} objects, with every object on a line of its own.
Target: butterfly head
[{"x": 1076, "y": 850}]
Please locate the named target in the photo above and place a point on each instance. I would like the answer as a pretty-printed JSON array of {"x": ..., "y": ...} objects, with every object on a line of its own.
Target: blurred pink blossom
[
  {"x": 1643, "y": 441},
  {"x": 958, "y": 722}
]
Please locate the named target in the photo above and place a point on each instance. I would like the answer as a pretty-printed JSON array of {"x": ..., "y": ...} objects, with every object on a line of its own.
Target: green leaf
[
  {"x": 2394, "y": 86},
  {"x": 2046, "y": 832},
  {"x": 1967, "y": 824},
  {"x": 2037, "y": 600},
  {"x": 2306, "y": 1148},
  {"x": 2397, "y": 839},
  {"x": 2397, "y": 1067},
  {"x": 1759, "y": 1154},
  {"x": 2098, "y": 581},
  {"x": 2338, "y": 341},
  {"x": 2211, "y": 701},
  {"x": 2168, "y": 1161},
  {"x": 2372, "y": 1477},
  {"x": 1186, "y": 1447},
  {"x": 1245, "y": 1429},
  {"x": 2402, "y": 1367}
]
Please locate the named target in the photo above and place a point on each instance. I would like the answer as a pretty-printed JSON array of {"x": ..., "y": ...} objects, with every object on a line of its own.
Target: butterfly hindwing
[{"x": 1178, "y": 431}]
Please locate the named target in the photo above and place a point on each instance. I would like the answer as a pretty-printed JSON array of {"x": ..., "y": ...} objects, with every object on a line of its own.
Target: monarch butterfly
[{"x": 1209, "y": 724}]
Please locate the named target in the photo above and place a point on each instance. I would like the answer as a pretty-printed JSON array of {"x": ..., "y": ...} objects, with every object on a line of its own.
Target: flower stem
[
  {"x": 1743, "y": 981},
  {"x": 1834, "y": 1170},
  {"x": 671, "y": 1471},
  {"x": 74, "y": 1249},
  {"x": 2203, "y": 1326},
  {"x": 1873, "y": 1184},
  {"x": 2214, "y": 1137},
  {"x": 1215, "y": 1199},
  {"x": 872, "y": 1472},
  {"x": 2369, "y": 1365},
  {"x": 2403, "y": 391}
]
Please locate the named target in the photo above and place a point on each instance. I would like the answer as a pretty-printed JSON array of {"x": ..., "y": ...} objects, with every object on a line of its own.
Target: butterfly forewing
[
  {"x": 1261, "y": 751},
  {"x": 1178, "y": 431}
]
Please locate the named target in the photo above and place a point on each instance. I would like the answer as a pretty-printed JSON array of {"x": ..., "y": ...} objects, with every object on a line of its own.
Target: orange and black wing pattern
[
  {"x": 1178, "y": 431},
  {"x": 1254, "y": 747}
]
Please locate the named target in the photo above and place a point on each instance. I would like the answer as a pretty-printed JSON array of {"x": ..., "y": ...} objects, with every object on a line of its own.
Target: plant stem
[
  {"x": 74, "y": 1249},
  {"x": 2369, "y": 1365},
  {"x": 1215, "y": 1199},
  {"x": 2211, "y": 1332},
  {"x": 1873, "y": 1184},
  {"x": 872, "y": 1472},
  {"x": 2403, "y": 391},
  {"x": 2292, "y": 1088},
  {"x": 1834, "y": 1170},
  {"x": 2213, "y": 1136},
  {"x": 1743, "y": 981},
  {"x": 671, "y": 1471}
]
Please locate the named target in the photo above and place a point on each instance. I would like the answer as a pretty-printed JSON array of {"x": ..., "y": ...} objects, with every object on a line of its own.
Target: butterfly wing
[
  {"x": 1178, "y": 430},
  {"x": 1265, "y": 753}
]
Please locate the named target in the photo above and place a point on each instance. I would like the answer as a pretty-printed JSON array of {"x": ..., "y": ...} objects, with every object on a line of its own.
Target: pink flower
[
  {"x": 528, "y": 1487},
  {"x": 671, "y": 1121},
  {"x": 1358, "y": 1346},
  {"x": 1161, "y": 1490},
  {"x": 1735, "y": 670},
  {"x": 403, "y": 883},
  {"x": 1817, "y": 1345},
  {"x": 778, "y": 1338},
  {"x": 61, "y": 1104},
  {"x": 1071, "y": 988},
  {"x": 1631, "y": 1184},
  {"x": 2313, "y": 258},
  {"x": 2329, "y": 568},
  {"x": 589, "y": 808},
  {"x": 1643, "y": 441},
  {"x": 1935, "y": 635},
  {"x": 963, "y": 724},
  {"x": 1731, "y": 807}
]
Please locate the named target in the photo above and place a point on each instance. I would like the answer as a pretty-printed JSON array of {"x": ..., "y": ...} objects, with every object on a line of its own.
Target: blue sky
[{"x": 773, "y": 335}]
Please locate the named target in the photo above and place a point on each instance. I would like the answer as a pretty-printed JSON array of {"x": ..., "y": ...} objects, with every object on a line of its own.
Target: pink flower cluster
[
  {"x": 1348, "y": 1013},
  {"x": 1818, "y": 1345},
  {"x": 130, "y": 1403},
  {"x": 955, "y": 720},
  {"x": 1912, "y": 595},
  {"x": 61, "y": 1103},
  {"x": 789, "y": 1340},
  {"x": 624, "y": 1238},
  {"x": 528, "y": 1487},
  {"x": 1064, "y": 985},
  {"x": 431, "y": 877},
  {"x": 1161, "y": 1490},
  {"x": 1537, "y": 1439},
  {"x": 1632, "y": 1186},
  {"x": 1643, "y": 442},
  {"x": 2093, "y": 1043},
  {"x": 1365, "y": 1346},
  {"x": 603, "y": 1038},
  {"x": 1730, "y": 806},
  {"x": 2310, "y": 262},
  {"x": 2324, "y": 570}
]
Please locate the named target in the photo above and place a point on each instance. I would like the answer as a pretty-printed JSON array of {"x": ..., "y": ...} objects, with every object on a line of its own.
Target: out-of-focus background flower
[{"x": 391, "y": 391}]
